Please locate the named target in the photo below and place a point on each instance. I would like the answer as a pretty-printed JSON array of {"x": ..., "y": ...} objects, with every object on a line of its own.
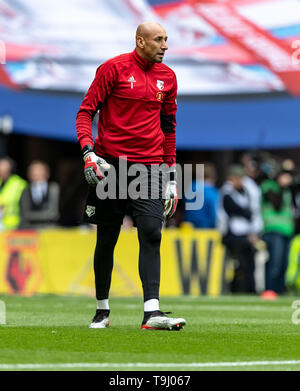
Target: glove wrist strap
[
  {"x": 171, "y": 173},
  {"x": 86, "y": 150}
]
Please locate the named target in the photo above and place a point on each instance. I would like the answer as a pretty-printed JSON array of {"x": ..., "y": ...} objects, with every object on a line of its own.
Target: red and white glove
[
  {"x": 94, "y": 166},
  {"x": 171, "y": 196}
]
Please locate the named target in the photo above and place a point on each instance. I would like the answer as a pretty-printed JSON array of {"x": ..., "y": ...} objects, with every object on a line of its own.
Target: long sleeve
[
  {"x": 98, "y": 91},
  {"x": 168, "y": 125}
]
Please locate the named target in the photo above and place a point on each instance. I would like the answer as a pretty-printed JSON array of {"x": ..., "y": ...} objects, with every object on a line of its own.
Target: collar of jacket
[{"x": 141, "y": 62}]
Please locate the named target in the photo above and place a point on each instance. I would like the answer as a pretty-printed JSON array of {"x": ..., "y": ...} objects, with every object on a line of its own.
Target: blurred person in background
[
  {"x": 250, "y": 184},
  {"x": 39, "y": 204},
  {"x": 251, "y": 180},
  {"x": 11, "y": 188},
  {"x": 235, "y": 225},
  {"x": 292, "y": 275},
  {"x": 288, "y": 165},
  {"x": 277, "y": 208},
  {"x": 206, "y": 216}
]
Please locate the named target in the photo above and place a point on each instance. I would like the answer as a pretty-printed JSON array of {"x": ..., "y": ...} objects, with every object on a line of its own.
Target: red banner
[
  {"x": 275, "y": 54},
  {"x": 5, "y": 80}
]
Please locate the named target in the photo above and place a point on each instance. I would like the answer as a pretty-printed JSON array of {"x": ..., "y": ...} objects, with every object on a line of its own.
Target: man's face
[
  {"x": 5, "y": 169},
  {"x": 37, "y": 173},
  {"x": 154, "y": 45},
  {"x": 236, "y": 181}
]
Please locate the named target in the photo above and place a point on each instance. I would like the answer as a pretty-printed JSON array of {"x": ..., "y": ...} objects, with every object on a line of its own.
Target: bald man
[{"x": 135, "y": 95}]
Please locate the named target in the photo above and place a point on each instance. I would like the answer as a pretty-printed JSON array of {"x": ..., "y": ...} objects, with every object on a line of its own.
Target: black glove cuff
[
  {"x": 87, "y": 149},
  {"x": 172, "y": 175}
]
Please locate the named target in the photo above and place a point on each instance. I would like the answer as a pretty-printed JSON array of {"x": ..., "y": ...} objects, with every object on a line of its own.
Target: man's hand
[
  {"x": 253, "y": 238},
  {"x": 94, "y": 166},
  {"x": 171, "y": 197}
]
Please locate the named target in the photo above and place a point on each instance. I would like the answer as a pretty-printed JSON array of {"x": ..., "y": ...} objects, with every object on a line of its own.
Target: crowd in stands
[{"x": 256, "y": 209}]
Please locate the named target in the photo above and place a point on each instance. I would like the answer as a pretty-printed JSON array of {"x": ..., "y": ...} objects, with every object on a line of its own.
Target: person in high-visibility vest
[
  {"x": 11, "y": 188},
  {"x": 292, "y": 275}
]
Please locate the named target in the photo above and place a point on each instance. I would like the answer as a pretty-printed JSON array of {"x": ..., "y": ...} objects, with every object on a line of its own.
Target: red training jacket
[{"x": 137, "y": 107}]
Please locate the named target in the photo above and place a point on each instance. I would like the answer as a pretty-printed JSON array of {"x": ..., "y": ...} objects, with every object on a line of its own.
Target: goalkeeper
[{"x": 135, "y": 95}]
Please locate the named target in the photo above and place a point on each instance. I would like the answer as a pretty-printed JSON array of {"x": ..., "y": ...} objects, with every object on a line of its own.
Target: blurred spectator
[
  {"x": 40, "y": 201},
  {"x": 250, "y": 184},
  {"x": 235, "y": 224},
  {"x": 277, "y": 208},
  {"x": 268, "y": 166},
  {"x": 288, "y": 165},
  {"x": 206, "y": 216},
  {"x": 11, "y": 188},
  {"x": 292, "y": 275}
]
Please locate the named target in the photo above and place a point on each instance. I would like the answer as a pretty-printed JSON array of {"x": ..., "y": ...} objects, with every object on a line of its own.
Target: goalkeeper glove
[
  {"x": 94, "y": 166},
  {"x": 171, "y": 197}
]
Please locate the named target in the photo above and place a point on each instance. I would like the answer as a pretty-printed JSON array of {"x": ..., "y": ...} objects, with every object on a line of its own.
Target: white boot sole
[
  {"x": 163, "y": 323},
  {"x": 100, "y": 325}
]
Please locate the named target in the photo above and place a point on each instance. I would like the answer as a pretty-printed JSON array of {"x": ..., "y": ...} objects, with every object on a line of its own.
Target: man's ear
[{"x": 140, "y": 42}]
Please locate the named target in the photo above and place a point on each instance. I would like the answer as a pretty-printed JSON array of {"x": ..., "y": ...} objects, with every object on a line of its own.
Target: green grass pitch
[{"x": 228, "y": 333}]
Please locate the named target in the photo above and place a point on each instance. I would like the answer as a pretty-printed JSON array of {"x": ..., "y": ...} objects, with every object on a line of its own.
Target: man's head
[
  {"x": 7, "y": 167},
  {"x": 151, "y": 41},
  {"x": 250, "y": 165},
  {"x": 210, "y": 174},
  {"x": 38, "y": 171},
  {"x": 235, "y": 175}
]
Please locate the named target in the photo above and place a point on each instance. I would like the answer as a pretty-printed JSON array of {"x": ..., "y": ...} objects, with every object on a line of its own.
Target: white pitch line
[{"x": 147, "y": 365}]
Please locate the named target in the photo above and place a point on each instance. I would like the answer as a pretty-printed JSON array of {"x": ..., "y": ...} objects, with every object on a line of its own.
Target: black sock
[{"x": 106, "y": 312}]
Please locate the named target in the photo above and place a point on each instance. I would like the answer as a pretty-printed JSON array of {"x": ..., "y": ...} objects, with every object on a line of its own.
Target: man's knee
[{"x": 150, "y": 229}]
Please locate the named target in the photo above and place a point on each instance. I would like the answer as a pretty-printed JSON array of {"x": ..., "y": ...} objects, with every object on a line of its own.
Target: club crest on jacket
[
  {"x": 160, "y": 84},
  {"x": 90, "y": 210}
]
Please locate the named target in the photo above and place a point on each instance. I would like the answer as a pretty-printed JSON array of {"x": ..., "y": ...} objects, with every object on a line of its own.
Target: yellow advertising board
[{"x": 60, "y": 261}]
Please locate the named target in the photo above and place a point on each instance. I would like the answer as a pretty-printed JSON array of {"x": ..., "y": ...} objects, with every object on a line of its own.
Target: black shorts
[{"x": 134, "y": 190}]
